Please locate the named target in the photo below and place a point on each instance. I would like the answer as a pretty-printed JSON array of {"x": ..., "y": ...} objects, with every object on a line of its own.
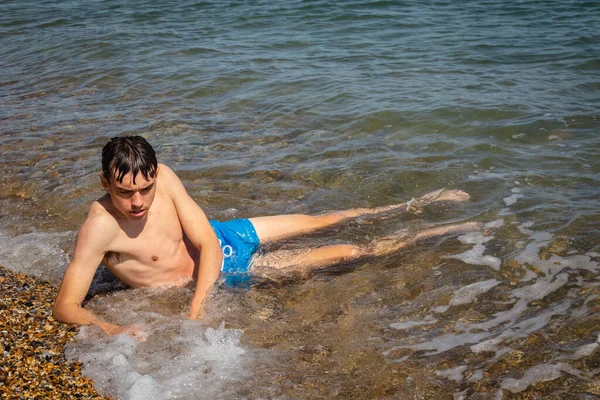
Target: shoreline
[{"x": 32, "y": 343}]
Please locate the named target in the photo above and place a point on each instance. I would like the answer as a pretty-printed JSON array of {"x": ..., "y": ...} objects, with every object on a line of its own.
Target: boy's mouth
[{"x": 138, "y": 213}]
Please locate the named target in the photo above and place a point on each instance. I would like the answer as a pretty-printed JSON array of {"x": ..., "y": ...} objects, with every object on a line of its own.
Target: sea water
[{"x": 265, "y": 108}]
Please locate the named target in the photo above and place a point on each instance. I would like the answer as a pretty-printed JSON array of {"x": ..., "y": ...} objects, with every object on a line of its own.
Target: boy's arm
[
  {"x": 198, "y": 230},
  {"x": 90, "y": 247}
]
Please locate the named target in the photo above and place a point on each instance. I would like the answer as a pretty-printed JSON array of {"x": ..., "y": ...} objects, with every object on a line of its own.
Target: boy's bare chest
[
  {"x": 156, "y": 242},
  {"x": 157, "y": 245}
]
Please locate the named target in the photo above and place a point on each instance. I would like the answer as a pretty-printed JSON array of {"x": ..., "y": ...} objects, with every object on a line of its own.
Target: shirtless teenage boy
[{"x": 148, "y": 232}]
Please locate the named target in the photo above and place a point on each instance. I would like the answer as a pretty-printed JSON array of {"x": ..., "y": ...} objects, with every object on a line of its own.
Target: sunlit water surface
[{"x": 266, "y": 108}]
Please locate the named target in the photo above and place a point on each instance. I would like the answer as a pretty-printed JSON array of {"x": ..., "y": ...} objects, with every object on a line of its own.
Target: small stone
[{"x": 33, "y": 363}]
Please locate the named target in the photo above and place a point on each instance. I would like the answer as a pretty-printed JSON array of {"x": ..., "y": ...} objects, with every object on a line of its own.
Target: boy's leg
[
  {"x": 395, "y": 242},
  {"x": 306, "y": 260},
  {"x": 280, "y": 227},
  {"x": 303, "y": 261}
]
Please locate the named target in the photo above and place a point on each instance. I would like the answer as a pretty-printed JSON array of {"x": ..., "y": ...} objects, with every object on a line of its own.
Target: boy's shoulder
[
  {"x": 168, "y": 181},
  {"x": 98, "y": 231},
  {"x": 165, "y": 173},
  {"x": 100, "y": 216}
]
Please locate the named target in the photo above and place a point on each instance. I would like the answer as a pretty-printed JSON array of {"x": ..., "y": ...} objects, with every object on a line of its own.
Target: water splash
[
  {"x": 40, "y": 254},
  {"x": 179, "y": 359}
]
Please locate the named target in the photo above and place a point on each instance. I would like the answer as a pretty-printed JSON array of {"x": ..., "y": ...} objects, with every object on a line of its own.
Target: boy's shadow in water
[{"x": 104, "y": 282}]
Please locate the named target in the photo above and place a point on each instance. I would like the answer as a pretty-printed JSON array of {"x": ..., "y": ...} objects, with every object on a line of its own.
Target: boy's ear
[{"x": 104, "y": 182}]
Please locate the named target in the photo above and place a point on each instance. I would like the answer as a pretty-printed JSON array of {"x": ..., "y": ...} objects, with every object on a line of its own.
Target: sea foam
[
  {"x": 39, "y": 254},
  {"x": 475, "y": 255},
  {"x": 468, "y": 294},
  {"x": 180, "y": 359}
]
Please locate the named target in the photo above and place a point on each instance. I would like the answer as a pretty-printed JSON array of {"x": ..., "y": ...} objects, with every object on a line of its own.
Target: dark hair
[{"x": 128, "y": 154}]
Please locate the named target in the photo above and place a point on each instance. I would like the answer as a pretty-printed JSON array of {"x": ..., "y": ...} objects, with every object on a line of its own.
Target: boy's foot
[
  {"x": 416, "y": 205},
  {"x": 444, "y": 195},
  {"x": 453, "y": 195},
  {"x": 400, "y": 239}
]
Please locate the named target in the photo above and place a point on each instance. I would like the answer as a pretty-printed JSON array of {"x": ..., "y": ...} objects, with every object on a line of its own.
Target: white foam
[
  {"x": 476, "y": 376},
  {"x": 510, "y": 200},
  {"x": 556, "y": 263},
  {"x": 529, "y": 275},
  {"x": 474, "y": 238},
  {"x": 493, "y": 345},
  {"x": 482, "y": 176},
  {"x": 460, "y": 395},
  {"x": 530, "y": 254},
  {"x": 468, "y": 294},
  {"x": 440, "y": 309},
  {"x": 533, "y": 324},
  {"x": 526, "y": 295},
  {"x": 475, "y": 255},
  {"x": 145, "y": 387},
  {"x": 495, "y": 224},
  {"x": 411, "y": 324},
  {"x": 538, "y": 373},
  {"x": 584, "y": 351},
  {"x": 179, "y": 359},
  {"x": 488, "y": 345},
  {"x": 39, "y": 254},
  {"x": 444, "y": 343},
  {"x": 541, "y": 288},
  {"x": 455, "y": 374}
]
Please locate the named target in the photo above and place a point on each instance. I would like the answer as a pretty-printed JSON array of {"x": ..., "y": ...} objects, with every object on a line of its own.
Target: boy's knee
[
  {"x": 330, "y": 219},
  {"x": 351, "y": 251}
]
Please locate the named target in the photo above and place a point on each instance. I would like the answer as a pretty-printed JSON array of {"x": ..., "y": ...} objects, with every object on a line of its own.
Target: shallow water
[{"x": 282, "y": 107}]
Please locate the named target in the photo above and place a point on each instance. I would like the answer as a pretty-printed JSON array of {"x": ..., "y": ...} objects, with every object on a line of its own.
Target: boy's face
[{"x": 133, "y": 200}]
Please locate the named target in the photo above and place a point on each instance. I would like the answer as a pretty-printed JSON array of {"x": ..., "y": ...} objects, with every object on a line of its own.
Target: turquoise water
[{"x": 302, "y": 106}]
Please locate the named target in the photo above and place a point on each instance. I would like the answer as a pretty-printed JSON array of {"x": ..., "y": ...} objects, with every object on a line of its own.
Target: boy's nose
[{"x": 136, "y": 200}]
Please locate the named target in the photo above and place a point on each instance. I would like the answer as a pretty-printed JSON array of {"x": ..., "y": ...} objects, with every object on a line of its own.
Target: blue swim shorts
[{"x": 239, "y": 242}]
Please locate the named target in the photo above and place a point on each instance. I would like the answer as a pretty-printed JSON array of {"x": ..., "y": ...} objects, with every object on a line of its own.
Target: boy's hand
[
  {"x": 136, "y": 331},
  {"x": 199, "y": 315},
  {"x": 196, "y": 309}
]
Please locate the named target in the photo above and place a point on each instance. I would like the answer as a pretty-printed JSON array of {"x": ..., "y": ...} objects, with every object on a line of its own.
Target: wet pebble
[{"x": 33, "y": 363}]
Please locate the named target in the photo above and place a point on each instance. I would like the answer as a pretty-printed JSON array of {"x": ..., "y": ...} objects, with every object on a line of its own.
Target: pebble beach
[
  {"x": 266, "y": 108},
  {"x": 33, "y": 362}
]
